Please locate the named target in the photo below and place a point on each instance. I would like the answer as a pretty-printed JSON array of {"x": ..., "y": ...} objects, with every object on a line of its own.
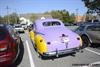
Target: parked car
[
  {"x": 24, "y": 26},
  {"x": 52, "y": 38},
  {"x": 19, "y": 28},
  {"x": 90, "y": 33},
  {"x": 93, "y": 21},
  {"x": 9, "y": 45}
]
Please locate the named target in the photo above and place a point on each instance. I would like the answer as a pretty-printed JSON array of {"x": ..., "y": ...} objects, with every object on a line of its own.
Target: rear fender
[
  {"x": 32, "y": 35},
  {"x": 87, "y": 37},
  {"x": 81, "y": 42},
  {"x": 40, "y": 44}
]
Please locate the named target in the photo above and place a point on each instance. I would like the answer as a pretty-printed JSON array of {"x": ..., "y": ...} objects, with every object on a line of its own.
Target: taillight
[
  {"x": 48, "y": 43},
  {"x": 78, "y": 38},
  {"x": 63, "y": 35},
  {"x": 41, "y": 40},
  {"x": 3, "y": 47}
]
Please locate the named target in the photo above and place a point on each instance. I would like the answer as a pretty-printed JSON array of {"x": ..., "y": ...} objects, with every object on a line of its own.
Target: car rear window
[
  {"x": 2, "y": 34},
  {"x": 52, "y": 23}
]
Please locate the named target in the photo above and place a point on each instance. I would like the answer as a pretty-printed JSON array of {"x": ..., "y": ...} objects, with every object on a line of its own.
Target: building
[{"x": 80, "y": 18}]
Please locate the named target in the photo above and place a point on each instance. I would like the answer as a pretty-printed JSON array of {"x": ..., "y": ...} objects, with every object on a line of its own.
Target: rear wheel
[{"x": 86, "y": 41}]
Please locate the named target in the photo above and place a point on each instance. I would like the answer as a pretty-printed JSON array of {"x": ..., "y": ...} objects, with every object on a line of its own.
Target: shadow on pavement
[
  {"x": 60, "y": 56},
  {"x": 20, "y": 57},
  {"x": 96, "y": 45}
]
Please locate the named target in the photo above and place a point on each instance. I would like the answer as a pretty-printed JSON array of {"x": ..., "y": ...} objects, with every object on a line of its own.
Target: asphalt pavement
[{"x": 30, "y": 58}]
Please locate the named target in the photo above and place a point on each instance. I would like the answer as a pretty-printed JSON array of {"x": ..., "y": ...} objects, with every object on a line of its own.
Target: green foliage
[
  {"x": 10, "y": 19},
  {"x": 33, "y": 17},
  {"x": 72, "y": 18},
  {"x": 13, "y": 18},
  {"x": 92, "y": 5},
  {"x": 56, "y": 14},
  {"x": 63, "y": 15},
  {"x": 1, "y": 20}
]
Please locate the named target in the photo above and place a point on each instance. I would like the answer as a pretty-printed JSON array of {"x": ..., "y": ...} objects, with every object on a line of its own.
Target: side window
[
  {"x": 90, "y": 28},
  {"x": 97, "y": 28},
  {"x": 93, "y": 28},
  {"x": 81, "y": 28}
]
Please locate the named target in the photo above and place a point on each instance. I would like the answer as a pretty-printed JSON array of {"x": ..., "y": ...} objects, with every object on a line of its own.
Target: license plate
[{"x": 64, "y": 39}]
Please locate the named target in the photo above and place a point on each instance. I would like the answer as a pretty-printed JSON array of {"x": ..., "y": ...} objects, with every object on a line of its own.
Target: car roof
[
  {"x": 44, "y": 20},
  {"x": 39, "y": 22},
  {"x": 90, "y": 24}
]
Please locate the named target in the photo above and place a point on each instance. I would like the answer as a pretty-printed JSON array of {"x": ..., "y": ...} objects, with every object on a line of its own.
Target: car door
[{"x": 94, "y": 33}]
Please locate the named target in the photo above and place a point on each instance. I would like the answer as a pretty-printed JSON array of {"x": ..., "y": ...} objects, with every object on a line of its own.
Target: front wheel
[{"x": 86, "y": 41}]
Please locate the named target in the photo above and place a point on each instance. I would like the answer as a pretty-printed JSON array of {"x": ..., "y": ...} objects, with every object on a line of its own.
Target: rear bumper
[{"x": 61, "y": 52}]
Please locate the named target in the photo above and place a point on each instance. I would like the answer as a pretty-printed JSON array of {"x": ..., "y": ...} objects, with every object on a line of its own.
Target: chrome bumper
[{"x": 61, "y": 52}]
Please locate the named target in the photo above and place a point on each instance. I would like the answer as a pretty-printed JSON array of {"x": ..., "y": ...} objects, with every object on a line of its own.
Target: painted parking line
[
  {"x": 94, "y": 64},
  {"x": 30, "y": 55},
  {"x": 92, "y": 51},
  {"x": 98, "y": 62}
]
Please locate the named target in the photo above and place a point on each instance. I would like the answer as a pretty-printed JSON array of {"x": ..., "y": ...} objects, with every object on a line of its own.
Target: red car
[{"x": 9, "y": 45}]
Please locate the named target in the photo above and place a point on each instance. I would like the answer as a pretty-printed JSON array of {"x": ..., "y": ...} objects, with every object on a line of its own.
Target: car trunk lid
[{"x": 54, "y": 38}]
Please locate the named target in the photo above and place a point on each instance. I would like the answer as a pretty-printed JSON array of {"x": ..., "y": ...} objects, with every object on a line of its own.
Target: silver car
[
  {"x": 19, "y": 28},
  {"x": 90, "y": 34}
]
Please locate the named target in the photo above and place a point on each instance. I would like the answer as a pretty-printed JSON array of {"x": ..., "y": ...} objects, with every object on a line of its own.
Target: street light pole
[
  {"x": 76, "y": 15},
  {"x": 7, "y": 15}
]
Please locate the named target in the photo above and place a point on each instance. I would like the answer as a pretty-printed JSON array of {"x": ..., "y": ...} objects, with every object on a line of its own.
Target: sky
[{"x": 40, "y": 6}]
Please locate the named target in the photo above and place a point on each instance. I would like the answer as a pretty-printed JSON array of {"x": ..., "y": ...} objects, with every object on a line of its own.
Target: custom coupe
[{"x": 51, "y": 38}]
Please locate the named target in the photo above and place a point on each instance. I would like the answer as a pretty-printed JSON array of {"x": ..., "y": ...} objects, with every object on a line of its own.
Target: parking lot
[
  {"x": 33, "y": 33},
  {"x": 30, "y": 58}
]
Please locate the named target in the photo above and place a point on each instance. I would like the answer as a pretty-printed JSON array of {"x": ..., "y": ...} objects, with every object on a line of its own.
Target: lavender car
[{"x": 52, "y": 38}]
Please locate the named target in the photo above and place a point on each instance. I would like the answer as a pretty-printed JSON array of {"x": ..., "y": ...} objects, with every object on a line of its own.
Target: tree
[
  {"x": 65, "y": 16},
  {"x": 92, "y": 5},
  {"x": 33, "y": 17},
  {"x": 62, "y": 15},
  {"x": 72, "y": 18},
  {"x": 1, "y": 20},
  {"x": 56, "y": 14},
  {"x": 5, "y": 19},
  {"x": 11, "y": 19}
]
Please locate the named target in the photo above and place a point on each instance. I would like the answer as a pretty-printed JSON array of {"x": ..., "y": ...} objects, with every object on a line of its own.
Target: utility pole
[
  {"x": 15, "y": 16},
  {"x": 7, "y": 8},
  {"x": 76, "y": 15}
]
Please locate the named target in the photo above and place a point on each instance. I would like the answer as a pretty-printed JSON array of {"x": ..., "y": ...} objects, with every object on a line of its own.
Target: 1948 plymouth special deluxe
[{"x": 52, "y": 38}]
